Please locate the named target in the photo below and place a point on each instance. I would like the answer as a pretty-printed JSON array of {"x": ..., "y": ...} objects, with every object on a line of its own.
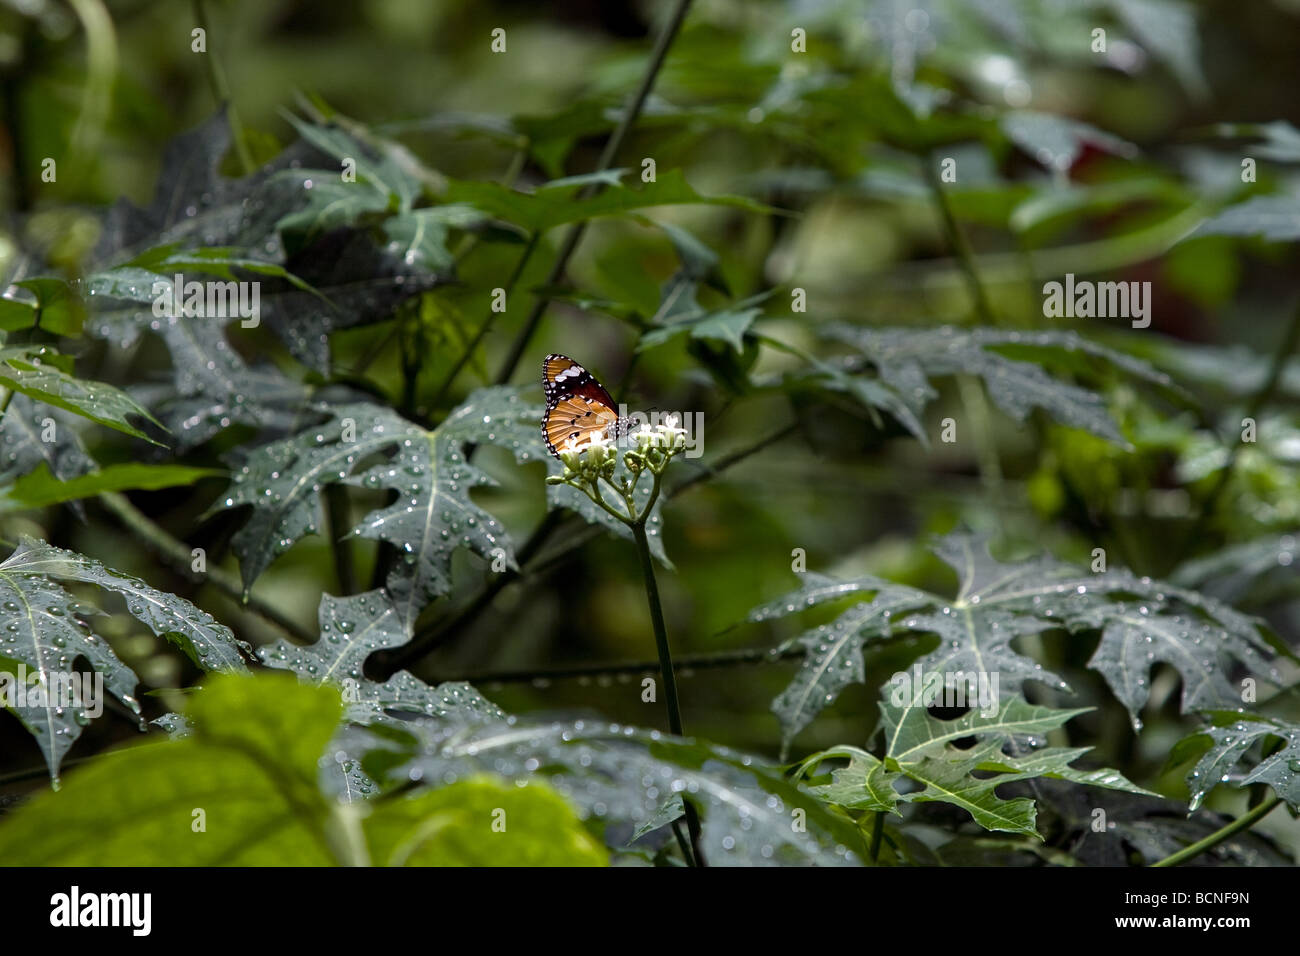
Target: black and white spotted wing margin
[{"x": 578, "y": 409}]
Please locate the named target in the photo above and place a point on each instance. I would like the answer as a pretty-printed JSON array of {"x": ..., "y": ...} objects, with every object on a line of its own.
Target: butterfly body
[{"x": 578, "y": 408}]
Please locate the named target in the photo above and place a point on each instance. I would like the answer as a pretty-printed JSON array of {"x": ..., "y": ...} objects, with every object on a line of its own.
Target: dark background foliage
[{"x": 105, "y": 87}]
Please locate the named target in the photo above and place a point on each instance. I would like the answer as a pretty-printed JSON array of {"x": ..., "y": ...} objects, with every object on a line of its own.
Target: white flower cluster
[
  {"x": 666, "y": 436},
  {"x": 589, "y": 463}
]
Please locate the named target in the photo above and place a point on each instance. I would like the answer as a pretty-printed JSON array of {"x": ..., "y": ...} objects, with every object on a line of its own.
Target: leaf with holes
[
  {"x": 1141, "y": 620},
  {"x": 1006, "y": 750}
]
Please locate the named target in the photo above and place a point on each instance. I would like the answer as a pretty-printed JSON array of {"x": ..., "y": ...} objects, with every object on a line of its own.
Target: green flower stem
[
  {"x": 440, "y": 632},
  {"x": 593, "y": 492},
  {"x": 665, "y": 666},
  {"x": 1243, "y": 822}
]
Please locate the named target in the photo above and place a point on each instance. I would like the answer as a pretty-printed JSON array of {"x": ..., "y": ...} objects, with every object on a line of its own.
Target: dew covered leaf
[
  {"x": 23, "y": 448},
  {"x": 353, "y": 627},
  {"x": 1274, "y": 218},
  {"x": 865, "y": 783},
  {"x": 419, "y": 237},
  {"x": 208, "y": 643},
  {"x": 214, "y": 388},
  {"x": 1057, "y": 141},
  {"x": 1141, "y": 621},
  {"x": 922, "y": 748},
  {"x": 905, "y": 359},
  {"x": 432, "y": 516},
  {"x": 357, "y": 282},
  {"x": 622, "y": 778},
  {"x": 194, "y": 205},
  {"x": 1167, "y": 29},
  {"x": 34, "y": 371},
  {"x": 1277, "y": 763},
  {"x": 45, "y": 630},
  {"x": 833, "y": 659},
  {"x": 374, "y": 169},
  {"x": 726, "y": 326}
]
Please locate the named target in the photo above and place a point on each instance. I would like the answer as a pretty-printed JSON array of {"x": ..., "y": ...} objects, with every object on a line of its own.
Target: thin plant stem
[
  {"x": 877, "y": 832},
  {"x": 340, "y": 523},
  {"x": 972, "y": 396},
  {"x": 1260, "y": 401},
  {"x": 1243, "y": 822},
  {"x": 612, "y": 145},
  {"x": 221, "y": 91},
  {"x": 665, "y": 665},
  {"x": 178, "y": 553},
  {"x": 957, "y": 239},
  {"x": 486, "y": 326},
  {"x": 709, "y": 660}
]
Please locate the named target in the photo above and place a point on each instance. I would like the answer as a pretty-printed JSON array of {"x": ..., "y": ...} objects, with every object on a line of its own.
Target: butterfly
[{"x": 578, "y": 409}]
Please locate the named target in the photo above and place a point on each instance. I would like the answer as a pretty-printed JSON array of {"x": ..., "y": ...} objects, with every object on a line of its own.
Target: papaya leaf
[
  {"x": 195, "y": 205},
  {"x": 46, "y": 630},
  {"x": 432, "y": 516},
  {"x": 1278, "y": 766},
  {"x": 361, "y": 282},
  {"x": 865, "y": 783},
  {"x": 623, "y": 777},
  {"x": 905, "y": 360},
  {"x": 23, "y": 448},
  {"x": 373, "y": 169},
  {"x": 921, "y": 747},
  {"x": 1057, "y": 141},
  {"x": 167, "y": 260},
  {"x": 1141, "y": 620},
  {"x": 1168, "y": 30},
  {"x": 419, "y": 237},
  {"x": 1273, "y": 218},
  {"x": 727, "y": 326},
  {"x": 350, "y": 629}
]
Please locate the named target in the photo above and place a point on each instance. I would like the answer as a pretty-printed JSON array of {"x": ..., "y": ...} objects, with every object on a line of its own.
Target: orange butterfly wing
[{"x": 578, "y": 408}]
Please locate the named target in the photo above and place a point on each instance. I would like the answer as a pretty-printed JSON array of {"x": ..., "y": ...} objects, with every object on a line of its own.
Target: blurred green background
[{"x": 104, "y": 86}]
